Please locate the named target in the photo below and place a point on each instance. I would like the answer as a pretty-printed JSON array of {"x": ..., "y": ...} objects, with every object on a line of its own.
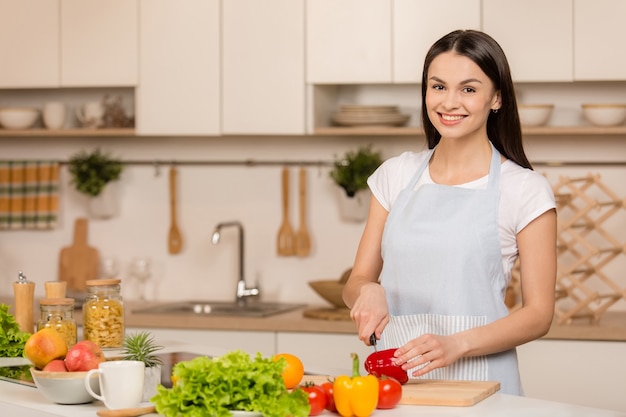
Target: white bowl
[
  {"x": 65, "y": 387},
  {"x": 605, "y": 114},
  {"x": 18, "y": 118},
  {"x": 534, "y": 114}
]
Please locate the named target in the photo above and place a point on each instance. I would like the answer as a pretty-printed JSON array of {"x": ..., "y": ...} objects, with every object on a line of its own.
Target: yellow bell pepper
[{"x": 356, "y": 395}]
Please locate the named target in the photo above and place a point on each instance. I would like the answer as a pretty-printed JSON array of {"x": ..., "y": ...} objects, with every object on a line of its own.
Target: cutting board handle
[{"x": 80, "y": 232}]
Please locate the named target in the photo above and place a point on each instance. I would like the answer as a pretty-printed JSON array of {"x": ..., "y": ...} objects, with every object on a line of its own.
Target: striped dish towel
[{"x": 29, "y": 195}]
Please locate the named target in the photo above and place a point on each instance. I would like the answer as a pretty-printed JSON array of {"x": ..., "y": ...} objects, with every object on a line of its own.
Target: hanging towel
[{"x": 29, "y": 195}]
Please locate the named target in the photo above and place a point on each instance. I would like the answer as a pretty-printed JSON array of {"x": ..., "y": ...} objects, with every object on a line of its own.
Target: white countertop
[{"x": 23, "y": 401}]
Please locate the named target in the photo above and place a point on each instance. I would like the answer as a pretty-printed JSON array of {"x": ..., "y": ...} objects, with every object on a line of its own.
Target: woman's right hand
[{"x": 370, "y": 312}]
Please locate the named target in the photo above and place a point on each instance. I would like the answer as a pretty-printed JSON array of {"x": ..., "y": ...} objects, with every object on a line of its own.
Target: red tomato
[
  {"x": 389, "y": 393},
  {"x": 330, "y": 398},
  {"x": 317, "y": 398}
]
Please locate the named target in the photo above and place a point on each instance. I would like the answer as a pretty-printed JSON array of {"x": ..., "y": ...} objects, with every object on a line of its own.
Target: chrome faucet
[{"x": 242, "y": 290}]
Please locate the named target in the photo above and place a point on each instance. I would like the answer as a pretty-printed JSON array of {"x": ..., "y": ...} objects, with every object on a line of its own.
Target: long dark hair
[{"x": 503, "y": 126}]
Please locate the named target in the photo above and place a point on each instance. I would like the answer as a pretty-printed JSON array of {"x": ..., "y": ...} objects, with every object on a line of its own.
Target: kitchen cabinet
[
  {"x": 99, "y": 43},
  {"x": 536, "y": 36},
  {"x": 179, "y": 89},
  {"x": 68, "y": 43},
  {"x": 29, "y": 43},
  {"x": 378, "y": 41},
  {"x": 324, "y": 351},
  {"x": 223, "y": 341},
  {"x": 599, "y": 34},
  {"x": 417, "y": 24},
  {"x": 263, "y": 88},
  {"x": 348, "y": 41}
]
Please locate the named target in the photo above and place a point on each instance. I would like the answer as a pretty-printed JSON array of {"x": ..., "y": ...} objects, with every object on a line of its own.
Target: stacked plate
[{"x": 363, "y": 115}]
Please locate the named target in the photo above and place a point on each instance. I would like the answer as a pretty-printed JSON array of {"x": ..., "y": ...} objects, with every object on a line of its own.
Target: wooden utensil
[
  {"x": 78, "y": 262},
  {"x": 438, "y": 392},
  {"x": 127, "y": 412},
  {"x": 303, "y": 239},
  {"x": 285, "y": 241},
  {"x": 174, "y": 239}
]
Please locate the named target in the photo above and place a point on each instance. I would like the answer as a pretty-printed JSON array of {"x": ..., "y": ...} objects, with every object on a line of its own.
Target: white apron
[{"x": 443, "y": 272}]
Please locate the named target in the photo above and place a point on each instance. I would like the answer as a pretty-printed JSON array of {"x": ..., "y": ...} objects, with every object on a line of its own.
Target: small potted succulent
[
  {"x": 350, "y": 174},
  {"x": 93, "y": 174},
  {"x": 142, "y": 347}
]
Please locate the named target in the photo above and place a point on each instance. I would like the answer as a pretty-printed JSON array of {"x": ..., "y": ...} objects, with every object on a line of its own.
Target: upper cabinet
[
  {"x": 99, "y": 43},
  {"x": 348, "y": 41},
  {"x": 378, "y": 41},
  {"x": 536, "y": 36},
  {"x": 29, "y": 43},
  {"x": 417, "y": 24},
  {"x": 68, "y": 43},
  {"x": 599, "y": 33},
  {"x": 263, "y": 87},
  {"x": 179, "y": 89}
]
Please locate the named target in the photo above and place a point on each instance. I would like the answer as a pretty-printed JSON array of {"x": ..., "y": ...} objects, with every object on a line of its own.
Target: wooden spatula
[
  {"x": 303, "y": 239},
  {"x": 285, "y": 241},
  {"x": 174, "y": 239},
  {"x": 126, "y": 412}
]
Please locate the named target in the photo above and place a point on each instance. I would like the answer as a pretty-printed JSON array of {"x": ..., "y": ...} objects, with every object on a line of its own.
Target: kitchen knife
[{"x": 373, "y": 341}]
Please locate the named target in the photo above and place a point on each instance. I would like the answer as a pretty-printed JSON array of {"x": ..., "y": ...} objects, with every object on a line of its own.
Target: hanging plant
[
  {"x": 91, "y": 172},
  {"x": 352, "y": 171}
]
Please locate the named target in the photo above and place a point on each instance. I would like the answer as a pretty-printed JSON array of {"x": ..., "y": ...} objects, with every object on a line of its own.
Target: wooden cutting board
[
  {"x": 437, "y": 392},
  {"x": 78, "y": 262}
]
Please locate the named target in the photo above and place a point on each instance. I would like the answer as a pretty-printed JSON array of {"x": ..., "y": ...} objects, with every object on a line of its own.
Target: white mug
[
  {"x": 54, "y": 115},
  {"x": 90, "y": 114},
  {"x": 121, "y": 383}
]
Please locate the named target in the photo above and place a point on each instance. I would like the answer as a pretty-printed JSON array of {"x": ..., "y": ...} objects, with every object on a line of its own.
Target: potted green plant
[
  {"x": 142, "y": 347},
  {"x": 350, "y": 174},
  {"x": 93, "y": 174}
]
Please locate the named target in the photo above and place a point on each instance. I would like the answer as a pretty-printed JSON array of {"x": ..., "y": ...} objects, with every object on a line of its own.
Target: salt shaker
[{"x": 24, "y": 293}]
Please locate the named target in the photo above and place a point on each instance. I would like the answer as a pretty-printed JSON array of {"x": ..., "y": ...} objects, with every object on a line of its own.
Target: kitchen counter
[
  {"x": 612, "y": 326},
  {"x": 23, "y": 401}
]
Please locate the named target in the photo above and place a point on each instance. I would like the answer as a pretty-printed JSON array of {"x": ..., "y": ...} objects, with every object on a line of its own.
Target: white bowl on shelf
[
  {"x": 65, "y": 387},
  {"x": 605, "y": 114},
  {"x": 18, "y": 117},
  {"x": 533, "y": 115}
]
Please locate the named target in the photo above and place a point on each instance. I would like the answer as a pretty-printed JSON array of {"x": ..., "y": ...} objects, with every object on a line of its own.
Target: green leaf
[{"x": 12, "y": 339}]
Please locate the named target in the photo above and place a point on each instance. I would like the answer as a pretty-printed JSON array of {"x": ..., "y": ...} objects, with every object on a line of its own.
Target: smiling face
[{"x": 459, "y": 97}]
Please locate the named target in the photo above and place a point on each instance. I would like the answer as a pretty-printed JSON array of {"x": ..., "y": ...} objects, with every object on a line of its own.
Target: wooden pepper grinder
[{"x": 24, "y": 293}]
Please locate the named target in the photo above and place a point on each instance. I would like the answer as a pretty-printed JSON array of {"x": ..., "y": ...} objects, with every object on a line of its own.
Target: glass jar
[
  {"x": 103, "y": 313},
  {"x": 58, "y": 314}
]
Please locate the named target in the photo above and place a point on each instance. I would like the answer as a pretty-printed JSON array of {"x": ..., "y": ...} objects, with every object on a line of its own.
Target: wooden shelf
[
  {"x": 328, "y": 131},
  {"x": 417, "y": 131},
  {"x": 74, "y": 132}
]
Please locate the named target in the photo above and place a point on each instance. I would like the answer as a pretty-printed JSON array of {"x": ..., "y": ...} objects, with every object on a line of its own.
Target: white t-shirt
[{"x": 524, "y": 195}]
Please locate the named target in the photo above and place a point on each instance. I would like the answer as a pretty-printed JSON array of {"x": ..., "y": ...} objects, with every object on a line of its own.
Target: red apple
[
  {"x": 84, "y": 356},
  {"x": 57, "y": 365}
]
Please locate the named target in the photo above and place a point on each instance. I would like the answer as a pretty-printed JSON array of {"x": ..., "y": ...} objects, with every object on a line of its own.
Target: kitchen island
[{"x": 18, "y": 400}]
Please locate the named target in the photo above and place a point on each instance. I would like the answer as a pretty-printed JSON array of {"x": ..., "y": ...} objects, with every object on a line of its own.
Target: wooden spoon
[
  {"x": 303, "y": 240},
  {"x": 174, "y": 239},
  {"x": 126, "y": 412},
  {"x": 285, "y": 241}
]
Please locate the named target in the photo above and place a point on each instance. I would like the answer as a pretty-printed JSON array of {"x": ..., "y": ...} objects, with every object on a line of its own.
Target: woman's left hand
[{"x": 428, "y": 352}]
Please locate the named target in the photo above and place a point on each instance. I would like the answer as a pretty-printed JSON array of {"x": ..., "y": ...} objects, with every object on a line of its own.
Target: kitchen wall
[{"x": 209, "y": 194}]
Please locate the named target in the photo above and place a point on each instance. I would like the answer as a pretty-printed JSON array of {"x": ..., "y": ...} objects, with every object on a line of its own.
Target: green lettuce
[
  {"x": 12, "y": 339},
  {"x": 211, "y": 387}
]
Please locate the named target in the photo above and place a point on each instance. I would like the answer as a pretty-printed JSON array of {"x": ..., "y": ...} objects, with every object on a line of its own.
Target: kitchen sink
[{"x": 220, "y": 308}]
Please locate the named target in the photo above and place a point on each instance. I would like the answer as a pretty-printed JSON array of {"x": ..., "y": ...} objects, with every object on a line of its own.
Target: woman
[{"x": 446, "y": 225}]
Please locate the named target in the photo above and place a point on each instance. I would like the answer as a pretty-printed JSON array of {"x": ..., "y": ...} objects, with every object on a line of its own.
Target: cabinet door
[
  {"x": 179, "y": 90},
  {"x": 348, "y": 41},
  {"x": 29, "y": 43},
  {"x": 99, "y": 43},
  {"x": 263, "y": 67},
  {"x": 536, "y": 36},
  {"x": 599, "y": 34},
  {"x": 323, "y": 353},
  {"x": 417, "y": 24}
]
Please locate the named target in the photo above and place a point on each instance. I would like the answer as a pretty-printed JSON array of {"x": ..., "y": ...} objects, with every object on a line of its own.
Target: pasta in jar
[{"x": 103, "y": 314}]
